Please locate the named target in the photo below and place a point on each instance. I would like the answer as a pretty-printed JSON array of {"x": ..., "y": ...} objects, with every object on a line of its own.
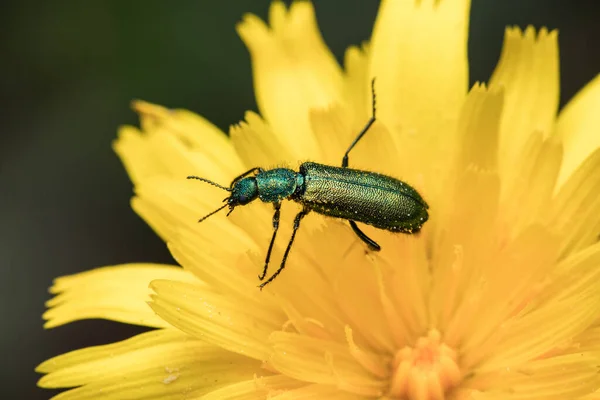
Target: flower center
[{"x": 427, "y": 371}]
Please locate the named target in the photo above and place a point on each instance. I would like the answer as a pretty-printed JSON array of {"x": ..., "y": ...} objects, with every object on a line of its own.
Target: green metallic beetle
[{"x": 340, "y": 192}]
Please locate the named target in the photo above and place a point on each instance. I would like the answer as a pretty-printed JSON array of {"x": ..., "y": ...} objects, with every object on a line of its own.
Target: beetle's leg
[
  {"x": 250, "y": 171},
  {"x": 297, "y": 220},
  {"x": 364, "y": 130},
  {"x": 370, "y": 242},
  {"x": 275, "y": 228}
]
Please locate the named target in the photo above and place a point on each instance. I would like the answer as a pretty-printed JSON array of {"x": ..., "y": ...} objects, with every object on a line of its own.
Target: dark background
[{"x": 68, "y": 71}]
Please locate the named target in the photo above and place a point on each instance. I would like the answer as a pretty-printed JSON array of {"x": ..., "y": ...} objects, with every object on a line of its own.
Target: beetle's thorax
[{"x": 276, "y": 184}]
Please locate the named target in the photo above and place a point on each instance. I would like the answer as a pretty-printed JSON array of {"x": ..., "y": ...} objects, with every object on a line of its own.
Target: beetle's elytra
[{"x": 340, "y": 192}]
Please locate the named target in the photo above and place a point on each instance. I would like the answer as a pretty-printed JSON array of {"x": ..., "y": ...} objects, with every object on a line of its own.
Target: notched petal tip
[
  {"x": 257, "y": 144},
  {"x": 151, "y": 110},
  {"x": 529, "y": 71},
  {"x": 477, "y": 85},
  {"x": 418, "y": 53},
  {"x": 253, "y": 31},
  {"x": 548, "y": 33},
  {"x": 128, "y": 135},
  {"x": 530, "y": 34},
  {"x": 115, "y": 293},
  {"x": 302, "y": 13},
  {"x": 278, "y": 14},
  {"x": 351, "y": 54},
  {"x": 126, "y": 132},
  {"x": 144, "y": 107},
  {"x": 151, "y": 115},
  {"x": 134, "y": 103}
]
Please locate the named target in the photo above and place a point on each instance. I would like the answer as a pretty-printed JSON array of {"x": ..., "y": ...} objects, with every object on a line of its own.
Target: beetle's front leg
[
  {"x": 275, "y": 228},
  {"x": 297, "y": 220},
  {"x": 254, "y": 170}
]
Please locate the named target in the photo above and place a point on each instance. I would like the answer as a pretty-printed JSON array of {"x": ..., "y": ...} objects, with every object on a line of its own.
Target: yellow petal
[
  {"x": 418, "y": 56},
  {"x": 362, "y": 303},
  {"x": 216, "y": 265},
  {"x": 555, "y": 378},
  {"x": 172, "y": 205},
  {"x": 321, "y": 361},
  {"x": 335, "y": 131},
  {"x": 521, "y": 345},
  {"x": 575, "y": 210},
  {"x": 255, "y": 389},
  {"x": 528, "y": 71},
  {"x": 136, "y": 154},
  {"x": 170, "y": 156},
  {"x": 564, "y": 310},
  {"x": 315, "y": 309},
  {"x": 478, "y": 129},
  {"x": 317, "y": 391},
  {"x": 258, "y": 146},
  {"x": 471, "y": 150},
  {"x": 578, "y": 128},
  {"x": 404, "y": 288},
  {"x": 501, "y": 290},
  {"x": 165, "y": 364},
  {"x": 80, "y": 367},
  {"x": 356, "y": 65},
  {"x": 461, "y": 249},
  {"x": 419, "y": 59},
  {"x": 473, "y": 146},
  {"x": 527, "y": 194},
  {"x": 237, "y": 326},
  {"x": 194, "y": 134},
  {"x": 573, "y": 277},
  {"x": 293, "y": 71},
  {"x": 332, "y": 130},
  {"x": 588, "y": 341},
  {"x": 118, "y": 293}
]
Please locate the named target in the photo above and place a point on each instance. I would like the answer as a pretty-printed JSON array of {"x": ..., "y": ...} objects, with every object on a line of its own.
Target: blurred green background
[{"x": 68, "y": 72}]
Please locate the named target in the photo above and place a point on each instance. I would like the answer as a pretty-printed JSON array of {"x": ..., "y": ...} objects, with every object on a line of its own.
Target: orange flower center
[{"x": 427, "y": 371}]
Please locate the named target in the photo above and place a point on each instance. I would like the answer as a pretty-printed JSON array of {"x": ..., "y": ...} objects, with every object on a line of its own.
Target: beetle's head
[{"x": 243, "y": 191}]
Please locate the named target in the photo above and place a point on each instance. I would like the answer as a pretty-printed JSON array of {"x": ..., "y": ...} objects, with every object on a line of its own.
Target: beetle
[{"x": 340, "y": 192}]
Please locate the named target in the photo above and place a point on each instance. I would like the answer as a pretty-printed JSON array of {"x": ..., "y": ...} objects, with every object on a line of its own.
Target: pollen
[{"x": 427, "y": 371}]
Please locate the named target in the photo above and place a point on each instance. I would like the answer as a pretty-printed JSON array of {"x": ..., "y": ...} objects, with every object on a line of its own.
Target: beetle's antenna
[
  {"x": 214, "y": 212},
  {"x": 374, "y": 98},
  {"x": 209, "y": 182}
]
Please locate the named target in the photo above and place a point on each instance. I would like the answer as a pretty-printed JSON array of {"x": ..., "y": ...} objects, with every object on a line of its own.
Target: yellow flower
[{"x": 497, "y": 298}]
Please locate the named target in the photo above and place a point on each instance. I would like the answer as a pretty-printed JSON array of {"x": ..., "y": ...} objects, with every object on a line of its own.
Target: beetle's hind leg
[
  {"x": 364, "y": 130},
  {"x": 275, "y": 228},
  {"x": 370, "y": 242},
  {"x": 297, "y": 220}
]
